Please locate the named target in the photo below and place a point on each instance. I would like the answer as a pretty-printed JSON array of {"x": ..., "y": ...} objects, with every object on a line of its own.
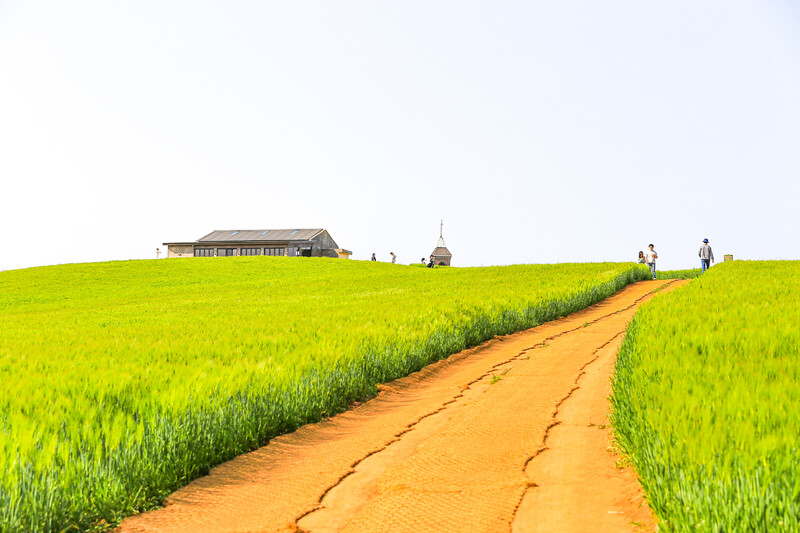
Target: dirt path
[{"x": 507, "y": 436}]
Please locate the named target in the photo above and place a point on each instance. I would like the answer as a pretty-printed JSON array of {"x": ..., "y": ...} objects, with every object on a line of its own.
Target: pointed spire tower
[{"x": 441, "y": 255}]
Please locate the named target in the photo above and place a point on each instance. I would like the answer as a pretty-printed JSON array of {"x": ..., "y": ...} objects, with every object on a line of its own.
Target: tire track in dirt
[{"x": 451, "y": 447}]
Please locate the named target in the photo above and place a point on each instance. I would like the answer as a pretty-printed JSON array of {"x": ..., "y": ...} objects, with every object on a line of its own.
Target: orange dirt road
[{"x": 508, "y": 436}]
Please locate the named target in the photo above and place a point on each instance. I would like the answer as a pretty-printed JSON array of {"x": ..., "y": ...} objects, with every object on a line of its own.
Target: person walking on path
[
  {"x": 394, "y": 257},
  {"x": 650, "y": 258},
  {"x": 706, "y": 255},
  {"x": 373, "y": 257}
]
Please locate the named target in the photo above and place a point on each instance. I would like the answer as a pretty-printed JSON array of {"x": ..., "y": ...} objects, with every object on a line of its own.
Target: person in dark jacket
[
  {"x": 373, "y": 257},
  {"x": 430, "y": 263},
  {"x": 706, "y": 255}
]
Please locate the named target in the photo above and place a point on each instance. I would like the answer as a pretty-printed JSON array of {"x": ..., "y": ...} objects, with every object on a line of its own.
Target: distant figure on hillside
[
  {"x": 706, "y": 255},
  {"x": 641, "y": 257},
  {"x": 394, "y": 257},
  {"x": 373, "y": 257},
  {"x": 422, "y": 261},
  {"x": 650, "y": 258},
  {"x": 430, "y": 263}
]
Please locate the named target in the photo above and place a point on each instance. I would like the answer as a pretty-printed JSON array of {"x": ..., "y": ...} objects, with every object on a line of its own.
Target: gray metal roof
[{"x": 261, "y": 235}]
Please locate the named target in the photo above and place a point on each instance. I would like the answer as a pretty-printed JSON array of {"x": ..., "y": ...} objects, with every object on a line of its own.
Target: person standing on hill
[
  {"x": 650, "y": 258},
  {"x": 373, "y": 257},
  {"x": 706, "y": 255},
  {"x": 394, "y": 257},
  {"x": 641, "y": 257}
]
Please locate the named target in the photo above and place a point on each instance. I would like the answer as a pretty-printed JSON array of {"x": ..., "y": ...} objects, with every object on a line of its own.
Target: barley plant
[{"x": 705, "y": 400}]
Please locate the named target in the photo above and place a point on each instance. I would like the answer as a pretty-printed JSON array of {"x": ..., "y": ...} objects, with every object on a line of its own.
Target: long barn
[{"x": 277, "y": 242}]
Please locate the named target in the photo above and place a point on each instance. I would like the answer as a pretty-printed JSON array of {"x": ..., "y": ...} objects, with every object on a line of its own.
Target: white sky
[{"x": 539, "y": 131}]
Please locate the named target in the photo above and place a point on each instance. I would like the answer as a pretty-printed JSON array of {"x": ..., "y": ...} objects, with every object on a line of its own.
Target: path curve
[{"x": 511, "y": 435}]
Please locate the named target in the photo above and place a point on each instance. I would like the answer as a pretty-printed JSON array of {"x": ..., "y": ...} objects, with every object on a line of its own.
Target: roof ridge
[{"x": 270, "y": 229}]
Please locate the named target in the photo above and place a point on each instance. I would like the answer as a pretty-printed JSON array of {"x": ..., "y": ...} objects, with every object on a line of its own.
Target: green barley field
[
  {"x": 679, "y": 274},
  {"x": 125, "y": 380},
  {"x": 706, "y": 400}
]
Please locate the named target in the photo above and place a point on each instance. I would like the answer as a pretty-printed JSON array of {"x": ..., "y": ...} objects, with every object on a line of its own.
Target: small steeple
[
  {"x": 441, "y": 255},
  {"x": 441, "y": 243}
]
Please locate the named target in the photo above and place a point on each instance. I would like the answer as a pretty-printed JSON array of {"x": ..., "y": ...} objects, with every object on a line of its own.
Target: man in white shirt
[{"x": 650, "y": 258}]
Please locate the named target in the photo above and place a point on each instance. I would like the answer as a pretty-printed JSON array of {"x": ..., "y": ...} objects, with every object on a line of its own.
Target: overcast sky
[{"x": 539, "y": 131}]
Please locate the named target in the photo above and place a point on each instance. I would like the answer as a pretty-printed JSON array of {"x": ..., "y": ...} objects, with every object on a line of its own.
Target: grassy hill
[{"x": 125, "y": 380}]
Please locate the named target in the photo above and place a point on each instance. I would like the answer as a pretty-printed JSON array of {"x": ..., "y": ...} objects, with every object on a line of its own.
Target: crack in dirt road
[
  {"x": 555, "y": 422},
  {"x": 559, "y": 500},
  {"x": 452, "y": 447}
]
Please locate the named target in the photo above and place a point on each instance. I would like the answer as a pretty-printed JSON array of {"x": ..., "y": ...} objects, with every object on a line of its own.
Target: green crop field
[
  {"x": 124, "y": 380},
  {"x": 679, "y": 274},
  {"x": 705, "y": 400}
]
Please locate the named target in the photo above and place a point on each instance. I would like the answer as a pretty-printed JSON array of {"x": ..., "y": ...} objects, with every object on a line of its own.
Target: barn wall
[
  {"x": 180, "y": 250},
  {"x": 324, "y": 246}
]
